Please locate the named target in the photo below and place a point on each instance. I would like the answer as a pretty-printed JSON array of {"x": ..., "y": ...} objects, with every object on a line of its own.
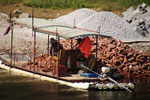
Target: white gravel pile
[
  {"x": 75, "y": 17},
  {"x": 110, "y": 24},
  {"x": 23, "y": 41},
  {"x": 3, "y": 25}
]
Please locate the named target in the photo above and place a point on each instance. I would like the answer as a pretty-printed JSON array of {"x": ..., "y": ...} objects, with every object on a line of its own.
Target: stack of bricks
[
  {"x": 110, "y": 53},
  {"x": 42, "y": 63},
  {"x": 119, "y": 55}
]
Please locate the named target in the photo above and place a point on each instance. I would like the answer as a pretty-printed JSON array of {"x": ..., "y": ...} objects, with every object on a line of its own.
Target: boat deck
[{"x": 21, "y": 59}]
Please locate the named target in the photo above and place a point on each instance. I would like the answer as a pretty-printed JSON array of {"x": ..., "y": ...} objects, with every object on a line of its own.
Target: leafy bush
[
  {"x": 105, "y": 4},
  {"x": 108, "y": 5},
  {"x": 60, "y": 3},
  {"x": 4, "y": 2}
]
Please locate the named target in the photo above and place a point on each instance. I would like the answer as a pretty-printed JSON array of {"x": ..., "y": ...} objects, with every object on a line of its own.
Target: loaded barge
[{"x": 53, "y": 67}]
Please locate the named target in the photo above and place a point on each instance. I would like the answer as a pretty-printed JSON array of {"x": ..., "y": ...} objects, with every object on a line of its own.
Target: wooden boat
[{"x": 56, "y": 72}]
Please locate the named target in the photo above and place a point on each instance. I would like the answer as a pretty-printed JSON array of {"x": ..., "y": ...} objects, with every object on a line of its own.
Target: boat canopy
[{"x": 56, "y": 29}]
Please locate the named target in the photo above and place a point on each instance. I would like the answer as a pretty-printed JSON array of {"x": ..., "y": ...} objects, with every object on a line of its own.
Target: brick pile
[
  {"x": 114, "y": 53},
  {"x": 123, "y": 57},
  {"x": 42, "y": 63}
]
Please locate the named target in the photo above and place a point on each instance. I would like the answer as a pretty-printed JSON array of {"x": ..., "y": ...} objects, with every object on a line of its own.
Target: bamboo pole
[
  {"x": 11, "y": 24},
  {"x": 71, "y": 43},
  {"x": 48, "y": 52},
  {"x": 96, "y": 46},
  {"x": 14, "y": 58},
  {"x": 58, "y": 39},
  {"x": 34, "y": 48},
  {"x": 32, "y": 21},
  {"x": 33, "y": 31}
]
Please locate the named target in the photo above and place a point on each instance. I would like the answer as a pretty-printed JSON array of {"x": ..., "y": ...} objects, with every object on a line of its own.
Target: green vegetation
[
  {"x": 5, "y": 2},
  {"x": 109, "y": 5},
  {"x": 59, "y": 4}
]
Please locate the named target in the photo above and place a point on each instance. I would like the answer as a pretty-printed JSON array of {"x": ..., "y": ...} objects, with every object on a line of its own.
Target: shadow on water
[{"x": 14, "y": 87}]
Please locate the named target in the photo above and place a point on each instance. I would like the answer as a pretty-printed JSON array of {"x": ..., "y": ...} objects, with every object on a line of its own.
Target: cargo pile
[
  {"x": 139, "y": 18},
  {"x": 129, "y": 62},
  {"x": 105, "y": 22},
  {"x": 114, "y": 53},
  {"x": 125, "y": 59},
  {"x": 42, "y": 63},
  {"x": 108, "y": 23}
]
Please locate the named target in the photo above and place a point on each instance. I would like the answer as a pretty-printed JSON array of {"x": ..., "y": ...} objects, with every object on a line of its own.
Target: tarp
[{"x": 59, "y": 29}]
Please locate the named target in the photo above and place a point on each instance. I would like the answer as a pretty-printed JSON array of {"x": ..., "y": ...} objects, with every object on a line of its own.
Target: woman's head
[{"x": 52, "y": 40}]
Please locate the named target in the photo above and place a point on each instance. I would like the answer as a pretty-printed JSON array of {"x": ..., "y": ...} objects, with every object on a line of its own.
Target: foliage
[
  {"x": 105, "y": 4},
  {"x": 4, "y": 2},
  {"x": 109, "y": 5},
  {"x": 58, "y": 3}
]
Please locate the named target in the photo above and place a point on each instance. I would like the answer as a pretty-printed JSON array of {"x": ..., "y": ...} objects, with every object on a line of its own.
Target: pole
[
  {"x": 11, "y": 24},
  {"x": 71, "y": 44},
  {"x": 96, "y": 46},
  {"x": 48, "y": 52},
  {"x": 33, "y": 31},
  {"x": 118, "y": 83},
  {"x": 32, "y": 21},
  {"x": 58, "y": 55},
  {"x": 14, "y": 58},
  {"x": 107, "y": 78},
  {"x": 97, "y": 43},
  {"x": 34, "y": 48}
]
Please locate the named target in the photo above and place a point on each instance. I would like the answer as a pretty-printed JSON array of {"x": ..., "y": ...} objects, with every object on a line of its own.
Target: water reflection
[{"x": 15, "y": 87}]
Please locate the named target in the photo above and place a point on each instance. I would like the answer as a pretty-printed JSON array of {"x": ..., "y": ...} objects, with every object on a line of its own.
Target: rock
[{"x": 17, "y": 11}]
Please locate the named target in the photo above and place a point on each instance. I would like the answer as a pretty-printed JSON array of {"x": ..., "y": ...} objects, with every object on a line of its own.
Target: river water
[{"x": 16, "y": 87}]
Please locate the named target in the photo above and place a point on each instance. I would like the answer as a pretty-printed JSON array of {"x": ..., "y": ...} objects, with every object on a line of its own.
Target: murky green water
[{"x": 14, "y": 87}]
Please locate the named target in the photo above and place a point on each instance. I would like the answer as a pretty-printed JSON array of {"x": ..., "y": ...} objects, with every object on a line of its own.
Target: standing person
[{"x": 54, "y": 46}]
